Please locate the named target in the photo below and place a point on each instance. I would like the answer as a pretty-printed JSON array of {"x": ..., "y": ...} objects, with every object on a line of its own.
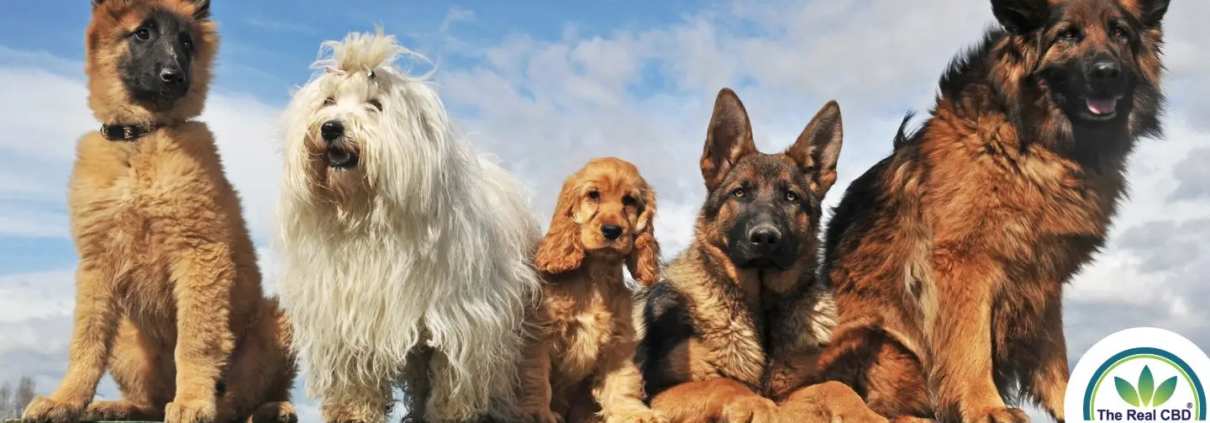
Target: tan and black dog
[
  {"x": 739, "y": 314},
  {"x": 169, "y": 296},
  {"x": 949, "y": 257}
]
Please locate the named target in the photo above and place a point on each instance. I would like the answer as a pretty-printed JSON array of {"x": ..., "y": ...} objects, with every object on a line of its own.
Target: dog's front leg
[
  {"x": 618, "y": 386},
  {"x": 358, "y": 404},
  {"x": 204, "y": 274},
  {"x": 1048, "y": 382},
  {"x": 716, "y": 400},
  {"x": 958, "y": 333},
  {"x": 535, "y": 396},
  {"x": 96, "y": 323}
]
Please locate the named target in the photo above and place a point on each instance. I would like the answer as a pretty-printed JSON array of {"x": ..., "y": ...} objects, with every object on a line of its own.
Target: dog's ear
[
  {"x": 818, "y": 148},
  {"x": 1021, "y": 16},
  {"x": 201, "y": 9},
  {"x": 644, "y": 258},
  {"x": 1151, "y": 12},
  {"x": 96, "y": 3},
  {"x": 560, "y": 249},
  {"x": 728, "y": 139}
]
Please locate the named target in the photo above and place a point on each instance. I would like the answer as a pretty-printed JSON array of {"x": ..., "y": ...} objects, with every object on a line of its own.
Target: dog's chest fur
[
  {"x": 128, "y": 202},
  {"x": 1036, "y": 214},
  {"x": 584, "y": 320}
]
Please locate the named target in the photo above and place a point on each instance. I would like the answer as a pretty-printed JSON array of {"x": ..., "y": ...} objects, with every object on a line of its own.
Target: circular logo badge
[{"x": 1139, "y": 375}]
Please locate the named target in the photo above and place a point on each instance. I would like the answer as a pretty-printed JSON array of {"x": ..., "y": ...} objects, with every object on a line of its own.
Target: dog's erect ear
[
  {"x": 644, "y": 258},
  {"x": 1021, "y": 16},
  {"x": 201, "y": 9},
  {"x": 728, "y": 139},
  {"x": 1151, "y": 12},
  {"x": 560, "y": 249},
  {"x": 818, "y": 148},
  {"x": 96, "y": 3}
]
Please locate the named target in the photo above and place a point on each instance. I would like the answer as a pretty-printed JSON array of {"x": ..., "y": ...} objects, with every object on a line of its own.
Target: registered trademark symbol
[{"x": 1188, "y": 405}]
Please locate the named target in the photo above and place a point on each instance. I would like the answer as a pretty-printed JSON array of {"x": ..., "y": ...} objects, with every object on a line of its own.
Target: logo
[{"x": 1139, "y": 375}]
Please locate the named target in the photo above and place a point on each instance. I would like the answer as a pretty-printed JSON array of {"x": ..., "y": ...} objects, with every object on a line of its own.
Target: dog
[
  {"x": 717, "y": 325},
  {"x": 169, "y": 296},
  {"x": 585, "y": 337},
  {"x": 948, "y": 258},
  {"x": 407, "y": 258}
]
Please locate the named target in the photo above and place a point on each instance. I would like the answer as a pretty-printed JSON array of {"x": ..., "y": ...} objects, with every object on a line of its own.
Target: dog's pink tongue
[{"x": 1102, "y": 107}]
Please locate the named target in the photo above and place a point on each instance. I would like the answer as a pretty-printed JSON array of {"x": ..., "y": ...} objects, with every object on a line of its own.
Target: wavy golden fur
[
  {"x": 168, "y": 292},
  {"x": 579, "y": 365}
]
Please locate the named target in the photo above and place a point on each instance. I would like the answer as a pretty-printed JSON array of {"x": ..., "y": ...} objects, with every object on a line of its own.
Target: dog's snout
[
  {"x": 765, "y": 236},
  {"x": 611, "y": 232},
  {"x": 173, "y": 76},
  {"x": 1104, "y": 71},
  {"x": 331, "y": 130}
]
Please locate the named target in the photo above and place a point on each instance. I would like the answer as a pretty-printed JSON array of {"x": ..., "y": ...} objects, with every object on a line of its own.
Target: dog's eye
[
  {"x": 738, "y": 193},
  {"x": 1118, "y": 33},
  {"x": 594, "y": 195},
  {"x": 329, "y": 101},
  {"x": 142, "y": 34},
  {"x": 791, "y": 196},
  {"x": 1069, "y": 34},
  {"x": 187, "y": 44},
  {"x": 377, "y": 104},
  {"x": 628, "y": 201}
]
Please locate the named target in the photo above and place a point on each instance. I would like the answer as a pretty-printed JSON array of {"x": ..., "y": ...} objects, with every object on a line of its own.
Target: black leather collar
[{"x": 126, "y": 132}]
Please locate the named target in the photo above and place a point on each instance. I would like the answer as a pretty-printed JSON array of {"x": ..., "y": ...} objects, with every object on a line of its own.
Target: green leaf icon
[
  {"x": 1164, "y": 392},
  {"x": 1126, "y": 391},
  {"x": 1146, "y": 386}
]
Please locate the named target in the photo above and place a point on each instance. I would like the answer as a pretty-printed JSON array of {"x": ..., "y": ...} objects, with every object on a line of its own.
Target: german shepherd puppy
[
  {"x": 705, "y": 329},
  {"x": 948, "y": 258},
  {"x": 169, "y": 296}
]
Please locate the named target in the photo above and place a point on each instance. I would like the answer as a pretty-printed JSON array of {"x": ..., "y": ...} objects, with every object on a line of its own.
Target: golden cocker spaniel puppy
[{"x": 579, "y": 365}]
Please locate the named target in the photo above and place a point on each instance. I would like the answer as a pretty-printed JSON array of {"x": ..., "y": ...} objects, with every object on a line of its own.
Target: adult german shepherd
[
  {"x": 948, "y": 258},
  {"x": 706, "y": 330}
]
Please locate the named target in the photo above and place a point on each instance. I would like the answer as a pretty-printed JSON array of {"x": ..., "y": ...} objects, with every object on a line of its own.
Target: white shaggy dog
[{"x": 407, "y": 257}]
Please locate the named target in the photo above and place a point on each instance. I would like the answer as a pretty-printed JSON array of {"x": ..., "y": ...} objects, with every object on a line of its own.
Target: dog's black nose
[
  {"x": 764, "y": 236},
  {"x": 1104, "y": 71},
  {"x": 331, "y": 130},
  {"x": 172, "y": 75},
  {"x": 611, "y": 232}
]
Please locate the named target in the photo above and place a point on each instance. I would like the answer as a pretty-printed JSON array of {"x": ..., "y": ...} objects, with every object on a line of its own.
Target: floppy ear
[
  {"x": 644, "y": 258},
  {"x": 560, "y": 249},
  {"x": 818, "y": 148},
  {"x": 728, "y": 139},
  {"x": 1021, "y": 16},
  {"x": 201, "y": 9},
  {"x": 1151, "y": 12}
]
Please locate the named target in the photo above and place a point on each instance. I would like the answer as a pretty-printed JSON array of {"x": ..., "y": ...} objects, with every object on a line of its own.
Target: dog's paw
[
  {"x": 644, "y": 416},
  {"x": 838, "y": 403},
  {"x": 750, "y": 410},
  {"x": 1000, "y": 415},
  {"x": 190, "y": 412},
  {"x": 274, "y": 412},
  {"x": 119, "y": 411},
  {"x": 46, "y": 410}
]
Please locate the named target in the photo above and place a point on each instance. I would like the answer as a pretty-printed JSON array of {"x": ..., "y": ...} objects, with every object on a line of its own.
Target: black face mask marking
[{"x": 157, "y": 69}]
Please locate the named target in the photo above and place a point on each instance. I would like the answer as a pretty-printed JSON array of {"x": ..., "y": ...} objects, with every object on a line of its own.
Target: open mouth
[
  {"x": 341, "y": 158},
  {"x": 1101, "y": 107}
]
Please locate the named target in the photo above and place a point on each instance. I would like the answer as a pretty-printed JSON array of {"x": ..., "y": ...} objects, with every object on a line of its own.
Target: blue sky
[{"x": 545, "y": 86}]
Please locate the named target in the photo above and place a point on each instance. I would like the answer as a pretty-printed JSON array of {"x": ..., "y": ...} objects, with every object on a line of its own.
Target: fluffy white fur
[{"x": 412, "y": 269}]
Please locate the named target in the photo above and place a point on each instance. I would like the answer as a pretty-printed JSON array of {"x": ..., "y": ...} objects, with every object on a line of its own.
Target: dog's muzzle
[{"x": 340, "y": 154}]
